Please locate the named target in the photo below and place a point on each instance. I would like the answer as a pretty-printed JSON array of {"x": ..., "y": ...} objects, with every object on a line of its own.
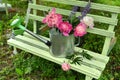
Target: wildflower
[
  {"x": 80, "y": 30},
  {"x": 89, "y": 21},
  {"x": 65, "y": 28},
  {"x": 65, "y": 66},
  {"x": 52, "y": 19}
]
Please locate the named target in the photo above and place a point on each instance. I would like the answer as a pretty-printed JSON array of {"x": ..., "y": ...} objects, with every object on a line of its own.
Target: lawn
[{"x": 25, "y": 66}]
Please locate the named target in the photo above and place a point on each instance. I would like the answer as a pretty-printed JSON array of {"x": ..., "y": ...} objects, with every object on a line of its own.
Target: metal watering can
[{"x": 60, "y": 46}]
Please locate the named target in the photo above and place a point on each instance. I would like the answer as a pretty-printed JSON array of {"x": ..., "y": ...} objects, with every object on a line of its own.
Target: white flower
[{"x": 89, "y": 21}]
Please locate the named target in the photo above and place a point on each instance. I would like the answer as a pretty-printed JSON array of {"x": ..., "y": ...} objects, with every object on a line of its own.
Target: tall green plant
[{"x": 1, "y": 32}]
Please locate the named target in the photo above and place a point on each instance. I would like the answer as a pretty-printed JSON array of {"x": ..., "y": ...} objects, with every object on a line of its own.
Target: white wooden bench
[{"x": 91, "y": 68}]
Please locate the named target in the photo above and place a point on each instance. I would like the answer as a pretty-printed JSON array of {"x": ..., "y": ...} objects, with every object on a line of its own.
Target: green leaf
[
  {"x": 70, "y": 56},
  {"x": 62, "y": 78},
  {"x": 28, "y": 70},
  {"x": 71, "y": 78},
  {"x": 19, "y": 71},
  {"x": 85, "y": 55},
  {"x": 79, "y": 63}
]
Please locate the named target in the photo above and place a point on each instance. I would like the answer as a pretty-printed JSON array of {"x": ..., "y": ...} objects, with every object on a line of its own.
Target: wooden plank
[
  {"x": 112, "y": 43},
  {"x": 94, "y": 30},
  {"x": 108, "y": 39},
  {"x": 29, "y": 36},
  {"x": 96, "y": 56},
  {"x": 34, "y": 17},
  {"x": 15, "y": 50},
  {"x": 34, "y": 22},
  {"x": 45, "y": 54},
  {"x": 91, "y": 63},
  {"x": 88, "y": 78},
  {"x": 101, "y": 32},
  {"x": 97, "y": 6},
  {"x": 97, "y": 18}
]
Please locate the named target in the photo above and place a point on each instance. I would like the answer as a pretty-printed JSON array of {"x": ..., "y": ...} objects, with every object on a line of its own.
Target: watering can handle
[{"x": 78, "y": 42}]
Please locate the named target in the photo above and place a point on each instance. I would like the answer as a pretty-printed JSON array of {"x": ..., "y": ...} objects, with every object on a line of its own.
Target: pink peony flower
[
  {"x": 52, "y": 19},
  {"x": 80, "y": 30},
  {"x": 89, "y": 21},
  {"x": 65, "y": 28},
  {"x": 65, "y": 66}
]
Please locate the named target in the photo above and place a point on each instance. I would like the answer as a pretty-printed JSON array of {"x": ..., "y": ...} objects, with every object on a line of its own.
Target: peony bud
[{"x": 65, "y": 66}]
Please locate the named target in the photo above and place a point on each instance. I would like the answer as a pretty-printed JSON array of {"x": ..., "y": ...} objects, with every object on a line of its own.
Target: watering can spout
[{"x": 17, "y": 23}]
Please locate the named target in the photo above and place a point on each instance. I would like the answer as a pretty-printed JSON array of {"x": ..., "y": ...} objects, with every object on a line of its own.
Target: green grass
[{"x": 25, "y": 66}]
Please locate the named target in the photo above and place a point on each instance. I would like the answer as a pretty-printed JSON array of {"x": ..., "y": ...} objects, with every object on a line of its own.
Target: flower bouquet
[{"x": 63, "y": 31}]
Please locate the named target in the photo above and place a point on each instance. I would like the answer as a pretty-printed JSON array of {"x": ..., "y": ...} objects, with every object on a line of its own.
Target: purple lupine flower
[{"x": 85, "y": 11}]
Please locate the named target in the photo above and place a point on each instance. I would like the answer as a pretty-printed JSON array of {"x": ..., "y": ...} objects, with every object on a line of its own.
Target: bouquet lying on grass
[{"x": 72, "y": 25}]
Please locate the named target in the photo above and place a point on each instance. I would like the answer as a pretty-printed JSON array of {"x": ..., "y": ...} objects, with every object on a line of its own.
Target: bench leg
[
  {"x": 15, "y": 50},
  {"x": 112, "y": 43},
  {"x": 88, "y": 78},
  {"x": 6, "y": 8}
]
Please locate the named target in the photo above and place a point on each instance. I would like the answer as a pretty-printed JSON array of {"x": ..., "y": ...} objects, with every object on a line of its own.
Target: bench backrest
[{"x": 111, "y": 21}]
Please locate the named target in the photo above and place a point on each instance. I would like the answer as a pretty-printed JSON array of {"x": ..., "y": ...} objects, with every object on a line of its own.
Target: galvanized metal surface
[{"x": 61, "y": 45}]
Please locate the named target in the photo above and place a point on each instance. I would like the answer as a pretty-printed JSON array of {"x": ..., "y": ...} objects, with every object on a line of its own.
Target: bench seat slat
[
  {"x": 45, "y": 54},
  {"x": 92, "y": 63},
  {"x": 96, "y": 56},
  {"x": 101, "y": 32},
  {"x": 94, "y": 30},
  {"x": 97, "y": 18},
  {"x": 97, "y": 6}
]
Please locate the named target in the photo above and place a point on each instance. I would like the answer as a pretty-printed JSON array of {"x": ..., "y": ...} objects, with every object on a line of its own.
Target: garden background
[{"x": 25, "y": 66}]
